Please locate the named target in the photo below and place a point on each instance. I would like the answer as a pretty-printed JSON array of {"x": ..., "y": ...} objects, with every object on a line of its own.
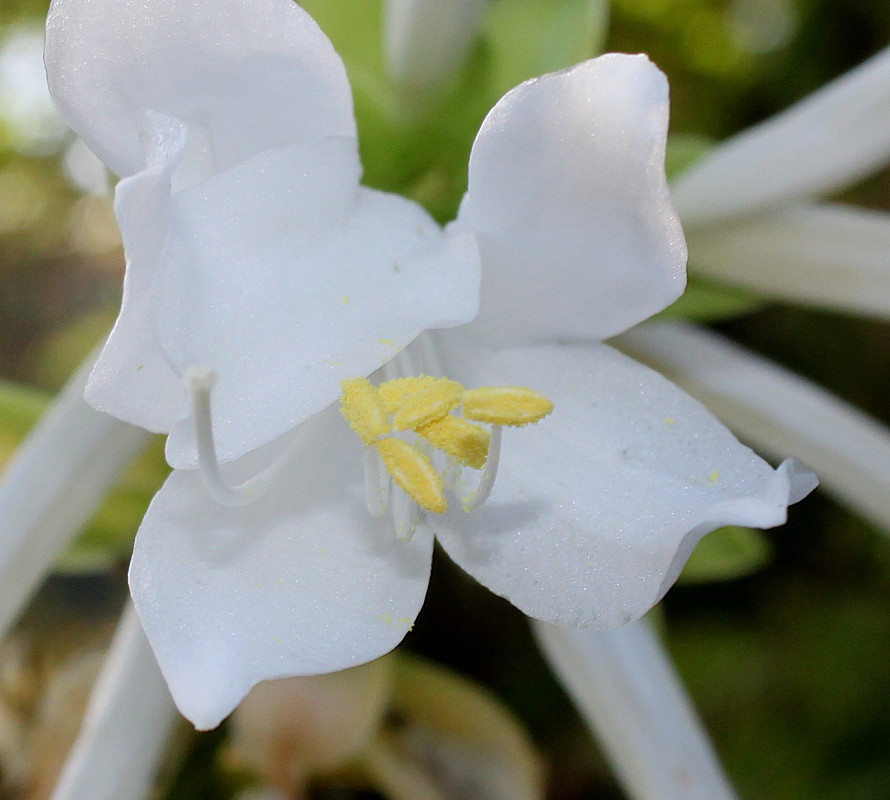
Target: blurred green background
[{"x": 788, "y": 665}]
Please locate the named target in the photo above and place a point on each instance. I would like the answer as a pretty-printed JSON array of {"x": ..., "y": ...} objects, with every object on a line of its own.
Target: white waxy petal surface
[
  {"x": 254, "y": 75},
  {"x": 823, "y": 143},
  {"x": 596, "y": 508},
  {"x": 778, "y": 411},
  {"x": 284, "y": 277},
  {"x": 824, "y": 255},
  {"x": 302, "y": 582},
  {"x": 132, "y": 379},
  {"x": 568, "y": 196}
]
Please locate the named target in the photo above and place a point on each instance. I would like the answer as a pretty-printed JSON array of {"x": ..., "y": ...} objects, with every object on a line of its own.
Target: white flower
[
  {"x": 753, "y": 219},
  {"x": 245, "y": 228},
  {"x": 254, "y": 254}
]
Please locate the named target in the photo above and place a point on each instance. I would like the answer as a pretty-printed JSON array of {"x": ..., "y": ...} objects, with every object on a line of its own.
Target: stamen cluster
[{"x": 428, "y": 407}]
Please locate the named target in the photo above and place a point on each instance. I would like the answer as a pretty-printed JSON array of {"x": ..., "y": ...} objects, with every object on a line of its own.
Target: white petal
[
  {"x": 301, "y": 582},
  {"x": 284, "y": 278},
  {"x": 825, "y": 142},
  {"x": 625, "y": 686},
  {"x": 823, "y": 255},
  {"x": 427, "y": 40},
  {"x": 53, "y": 485},
  {"x": 567, "y": 193},
  {"x": 126, "y": 727},
  {"x": 132, "y": 379},
  {"x": 777, "y": 410},
  {"x": 597, "y": 507},
  {"x": 253, "y": 75}
]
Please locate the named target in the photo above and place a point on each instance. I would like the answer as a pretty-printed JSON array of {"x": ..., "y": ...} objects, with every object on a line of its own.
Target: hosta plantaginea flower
[
  {"x": 255, "y": 257},
  {"x": 245, "y": 227}
]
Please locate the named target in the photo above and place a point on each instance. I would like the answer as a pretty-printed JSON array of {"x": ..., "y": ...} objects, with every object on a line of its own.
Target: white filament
[
  {"x": 377, "y": 483},
  {"x": 199, "y": 382},
  {"x": 405, "y": 515},
  {"x": 489, "y": 474}
]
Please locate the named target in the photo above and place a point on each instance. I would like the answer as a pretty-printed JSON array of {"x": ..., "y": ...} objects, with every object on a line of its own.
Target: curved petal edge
[{"x": 568, "y": 197}]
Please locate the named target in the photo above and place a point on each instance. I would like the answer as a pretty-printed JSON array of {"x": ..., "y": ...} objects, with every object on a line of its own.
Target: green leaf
[
  {"x": 528, "y": 38},
  {"x": 20, "y": 408},
  {"x": 108, "y": 538},
  {"x": 354, "y": 30},
  {"x": 706, "y": 302},
  {"x": 58, "y": 354},
  {"x": 683, "y": 150},
  {"x": 725, "y": 554}
]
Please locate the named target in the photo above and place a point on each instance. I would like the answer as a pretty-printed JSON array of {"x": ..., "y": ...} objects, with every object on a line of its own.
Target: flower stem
[{"x": 625, "y": 687}]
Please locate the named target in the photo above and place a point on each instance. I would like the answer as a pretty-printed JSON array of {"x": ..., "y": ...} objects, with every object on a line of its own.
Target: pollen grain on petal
[
  {"x": 462, "y": 440},
  {"x": 414, "y": 473},
  {"x": 505, "y": 405},
  {"x": 363, "y": 409}
]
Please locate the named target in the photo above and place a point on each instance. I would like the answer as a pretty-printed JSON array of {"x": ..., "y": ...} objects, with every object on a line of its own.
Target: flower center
[
  {"x": 419, "y": 432},
  {"x": 408, "y": 420}
]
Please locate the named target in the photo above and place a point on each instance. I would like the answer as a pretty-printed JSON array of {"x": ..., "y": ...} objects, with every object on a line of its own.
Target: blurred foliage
[
  {"x": 422, "y": 150},
  {"x": 787, "y": 663},
  {"x": 725, "y": 554},
  {"x": 109, "y": 536}
]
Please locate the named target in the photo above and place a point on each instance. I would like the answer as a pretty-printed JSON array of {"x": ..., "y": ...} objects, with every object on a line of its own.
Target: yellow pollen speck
[
  {"x": 386, "y": 342},
  {"x": 462, "y": 440},
  {"x": 670, "y": 421},
  {"x": 396, "y": 622},
  {"x": 414, "y": 473},
  {"x": 505, "y": 405},
  {"x": 363, "y": 409},
  {"x": 344, "y": 298},
  {"x": 713, "y": 476}
]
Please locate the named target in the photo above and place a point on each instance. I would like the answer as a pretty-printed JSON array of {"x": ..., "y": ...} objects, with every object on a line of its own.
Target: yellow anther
[
  {"x": 420, "y": 408},
  {"x": 423, "y": 405},
  {"x": 505, "y": 405},
  {"x": 391, "y": 392},
  {"x": 363, "y": 409},
  {"x": 394, "y": 392},
  {"x": 414, "y": 473},
  {"x": 462, "y": 440}
]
